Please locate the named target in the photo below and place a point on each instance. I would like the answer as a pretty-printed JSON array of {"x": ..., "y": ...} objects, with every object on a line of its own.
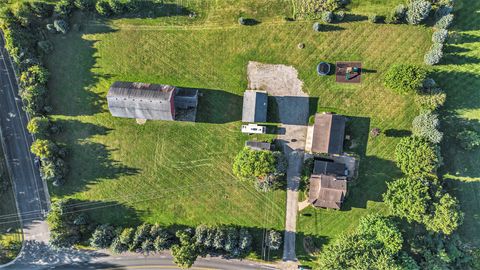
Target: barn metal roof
[{"x": 254, "y": 106}]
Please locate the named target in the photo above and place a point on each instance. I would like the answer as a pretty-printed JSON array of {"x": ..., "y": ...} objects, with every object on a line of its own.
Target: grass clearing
[{"x": 180, "y": 173}]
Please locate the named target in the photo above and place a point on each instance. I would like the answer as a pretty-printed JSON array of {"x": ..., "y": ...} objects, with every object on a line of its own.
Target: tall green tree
[
  {"x": 185, "y": 253},
  {"x": 416, "y": 156},
  {"x": 447, "y": 215},
  {"x": 249, "y": 163}
]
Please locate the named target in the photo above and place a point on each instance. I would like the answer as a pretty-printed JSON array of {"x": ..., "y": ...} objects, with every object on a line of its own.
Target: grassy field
[
  {"x": 180, "y": 173},
  {"x": 459, "y": 74}
]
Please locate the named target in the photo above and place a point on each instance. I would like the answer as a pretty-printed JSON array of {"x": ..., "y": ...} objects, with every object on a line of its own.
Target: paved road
[{"x": 28, "y": 187}]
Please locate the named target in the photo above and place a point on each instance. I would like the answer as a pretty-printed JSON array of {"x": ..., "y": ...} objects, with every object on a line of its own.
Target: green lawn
[
  {"x": 180, "y": 173},
  {"x": 460, "y": 76}
]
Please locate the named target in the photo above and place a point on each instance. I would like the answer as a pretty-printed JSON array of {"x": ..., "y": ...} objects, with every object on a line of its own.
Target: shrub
[
  {"x": 446, "y": 217},
  {"x": 443, "y": 11},
  {"x": 433, "y": 56},
  {"x": 469, "y": 139},
  {"x": 84, "y": 4},
  {"x": 39, "y": 126},
  {"x": 327, "y": 17},
  {"x": 22, "y": 12},
  {"x": 418, "y": 11},
  {"x": 317, "y": 27},
  {"x": 33, "y": 97},
  {"x": 274, "y": 240},
  {"x": 373, "y": 18},
  {"x": 426, "y": 126},
  {"x": 63, "y": 8},
  {"x": 431, "y": 99},
  {"x": 61, "y": 26},
  {"x": 397, "y": 15},
  {"x": 417, "y": 157},
  {"x": 141, "y": 234},
  {"x": 440, "y": 36},
  {"x": 34, "y": 75},
  {"x": 249, "y": 163},
  {"x": 43, "y": 149},
  {"x": 339, "y": 16},
  {"x": 103, "y": 236},
  {"x": 103, "y": 8},
  {"x": 403, "y": 78},
  {"x": 444, "y": 22},
  {"x": 162, "y": 241},
  {"x": 242, "y": 21},
  {"x": 116, "y": 6},
  {"x": 311, "y": 9},
  {"x": 41, "y": 9}
]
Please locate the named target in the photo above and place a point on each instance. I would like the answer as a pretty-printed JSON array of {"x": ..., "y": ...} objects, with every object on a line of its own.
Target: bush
[
  {"x": 22, "y": 13},
  {"x": 250, "y": 164},
  {"x": 397, "y": 15},
  {"x": 274, "y": 240},
  {"x": 440, "y": 36},
  {"x": 444, "y": 22},
  {"x": 63, "y": 8},
  {"x": 61, "y": 26},
  {"x": 433, "y": 56},
  {"x": 373, "y": 18},
  {"x": 41, "y": 9},
  {"x": 417, "y": 157},
  {"x": 469, "y": 139},
  {"x": 311, "y": 9},
  {"x": 317, "y": 27},
  {"x": 403, "y": 78},
  {"x": 327, "y": 17},
  {"x": 141, "y": 234},
  {"x": 443, "y": 11},
  {"x": 33, "y": 97},
  {"x": 446, "y": 217},
  {"x": 418, "y": 11},
  {"x": 242, "y": 21},
  {"x": 426, "y": 126},
  {"x": 43, "y": 149},
  {"x": 103, "y": 236},
  {"x": 84, "y": 4},
  {"x": 39, "y": 126},
  {"x": 116, "y": 6},
  {"x": 431, "y": 99},
  {"x": 34, "y": 75},
  {"x": 339, "y": 16},
  {"x": 103, "y": 8}
]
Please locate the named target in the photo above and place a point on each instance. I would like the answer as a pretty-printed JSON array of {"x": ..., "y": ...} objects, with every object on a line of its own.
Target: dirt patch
[{"x": 277, "y": 80}]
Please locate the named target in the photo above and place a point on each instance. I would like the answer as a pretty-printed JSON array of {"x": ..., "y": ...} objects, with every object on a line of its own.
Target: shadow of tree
[
  {"x": 100, "y": 165},
  {"x": 398, "y": 133}
]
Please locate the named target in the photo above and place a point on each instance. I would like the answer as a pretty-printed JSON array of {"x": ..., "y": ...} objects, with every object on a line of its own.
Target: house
[
  {"x": 254, "y": 106},
  {"x": 327, "y": 134},
  {"x": 149, "y": 101},
  {"x": 258, "y": 146},
  {"x": 328, "y": 184}
]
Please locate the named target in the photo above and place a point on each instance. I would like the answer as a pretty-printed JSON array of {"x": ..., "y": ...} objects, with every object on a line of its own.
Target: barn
[{"x": 149, "y": 101}]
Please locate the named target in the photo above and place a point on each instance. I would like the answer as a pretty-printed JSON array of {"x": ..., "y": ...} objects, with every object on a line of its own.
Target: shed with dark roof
[
  {"x": 328, "y": 134},
  {"x": 254, "y": 106},
  {"x": 142, "y": 100}
]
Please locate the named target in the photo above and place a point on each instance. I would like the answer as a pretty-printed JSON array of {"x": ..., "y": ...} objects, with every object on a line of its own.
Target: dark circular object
[{"x": 323, "y": 68}]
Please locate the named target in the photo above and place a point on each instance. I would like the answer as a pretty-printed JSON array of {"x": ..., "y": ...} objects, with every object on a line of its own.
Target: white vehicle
[{"x": 254, "y": 129}]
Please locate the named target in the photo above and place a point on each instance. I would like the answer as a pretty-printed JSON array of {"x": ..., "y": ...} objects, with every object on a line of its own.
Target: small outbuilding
[
  {"x": 150, "y": 101},
  {"x": 258, "y": 146},
  {"x": 327, "y": 134},
  {"x": 255, "y": 105}
]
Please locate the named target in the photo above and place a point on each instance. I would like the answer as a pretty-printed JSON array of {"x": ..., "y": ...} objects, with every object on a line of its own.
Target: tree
[
  {"x": 103, "y": 8},
  {"x": 35, "y": 74},
  {"x": 84, "y": 4},
  {"x": 408, "y": 198},
  {"x": 327, "y": 17},
  {"x": 440, "y": 36},
  {"x": 39, "y": 126},
  {"x": 141, "y": 234},
  {"x": 274, "y": 240},
  {"x": 43, "y": 149},
  {"x": 103, "y": 236},
  {"x": 185, "y": 253},
  {"x": 403, "y": 78},
  {"x": 417, "y": 156},
  {"x": 418, "y": 11},
  {"x": 382, "y": 229},
  {"x": 426, "y": 126},
  {"x": 444, "y": 22},
  {"x": 245, "y": 240},
  {"x": 123, "y": 241},
  {"x": 231, "y": 241},
  {"x": 469, "y": 139},
  {"x": 116, "y": 6},
  {"x": 63, "y": 8},
  {"x": 396, "y": 15},
  {"x": 162, "y": 241},
  {"x": 446, "y": 217},
  {"x": 431, "y": 99},
  {"x": 249, "y": 163},
  {"x": 219, "y": 239}
]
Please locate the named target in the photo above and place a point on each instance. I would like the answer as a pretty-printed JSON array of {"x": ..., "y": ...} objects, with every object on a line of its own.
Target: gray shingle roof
[
  {"x": 141, "y": 100},
  {"x": 329, "y": 168},
  {"x": 327, "y": 191},
  {"x": 254, "y": 106}
]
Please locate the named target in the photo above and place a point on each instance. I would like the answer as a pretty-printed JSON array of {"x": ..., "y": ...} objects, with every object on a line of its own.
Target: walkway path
[{"x": 282, "y": 82}]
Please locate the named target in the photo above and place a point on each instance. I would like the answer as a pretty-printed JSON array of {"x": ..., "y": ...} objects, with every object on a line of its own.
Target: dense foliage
[
  {"x": 431, "y": 99},
  {"x": 313, "y": 9},
  {"x": 253, "y": 164},
  {"x": 426, "y": 126},
  {"x": 444, "y": 22},
  {"x": 417, "y": 156},
  {"x": 403, "y": 78},
  {"x": 418, "y": 11}
]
